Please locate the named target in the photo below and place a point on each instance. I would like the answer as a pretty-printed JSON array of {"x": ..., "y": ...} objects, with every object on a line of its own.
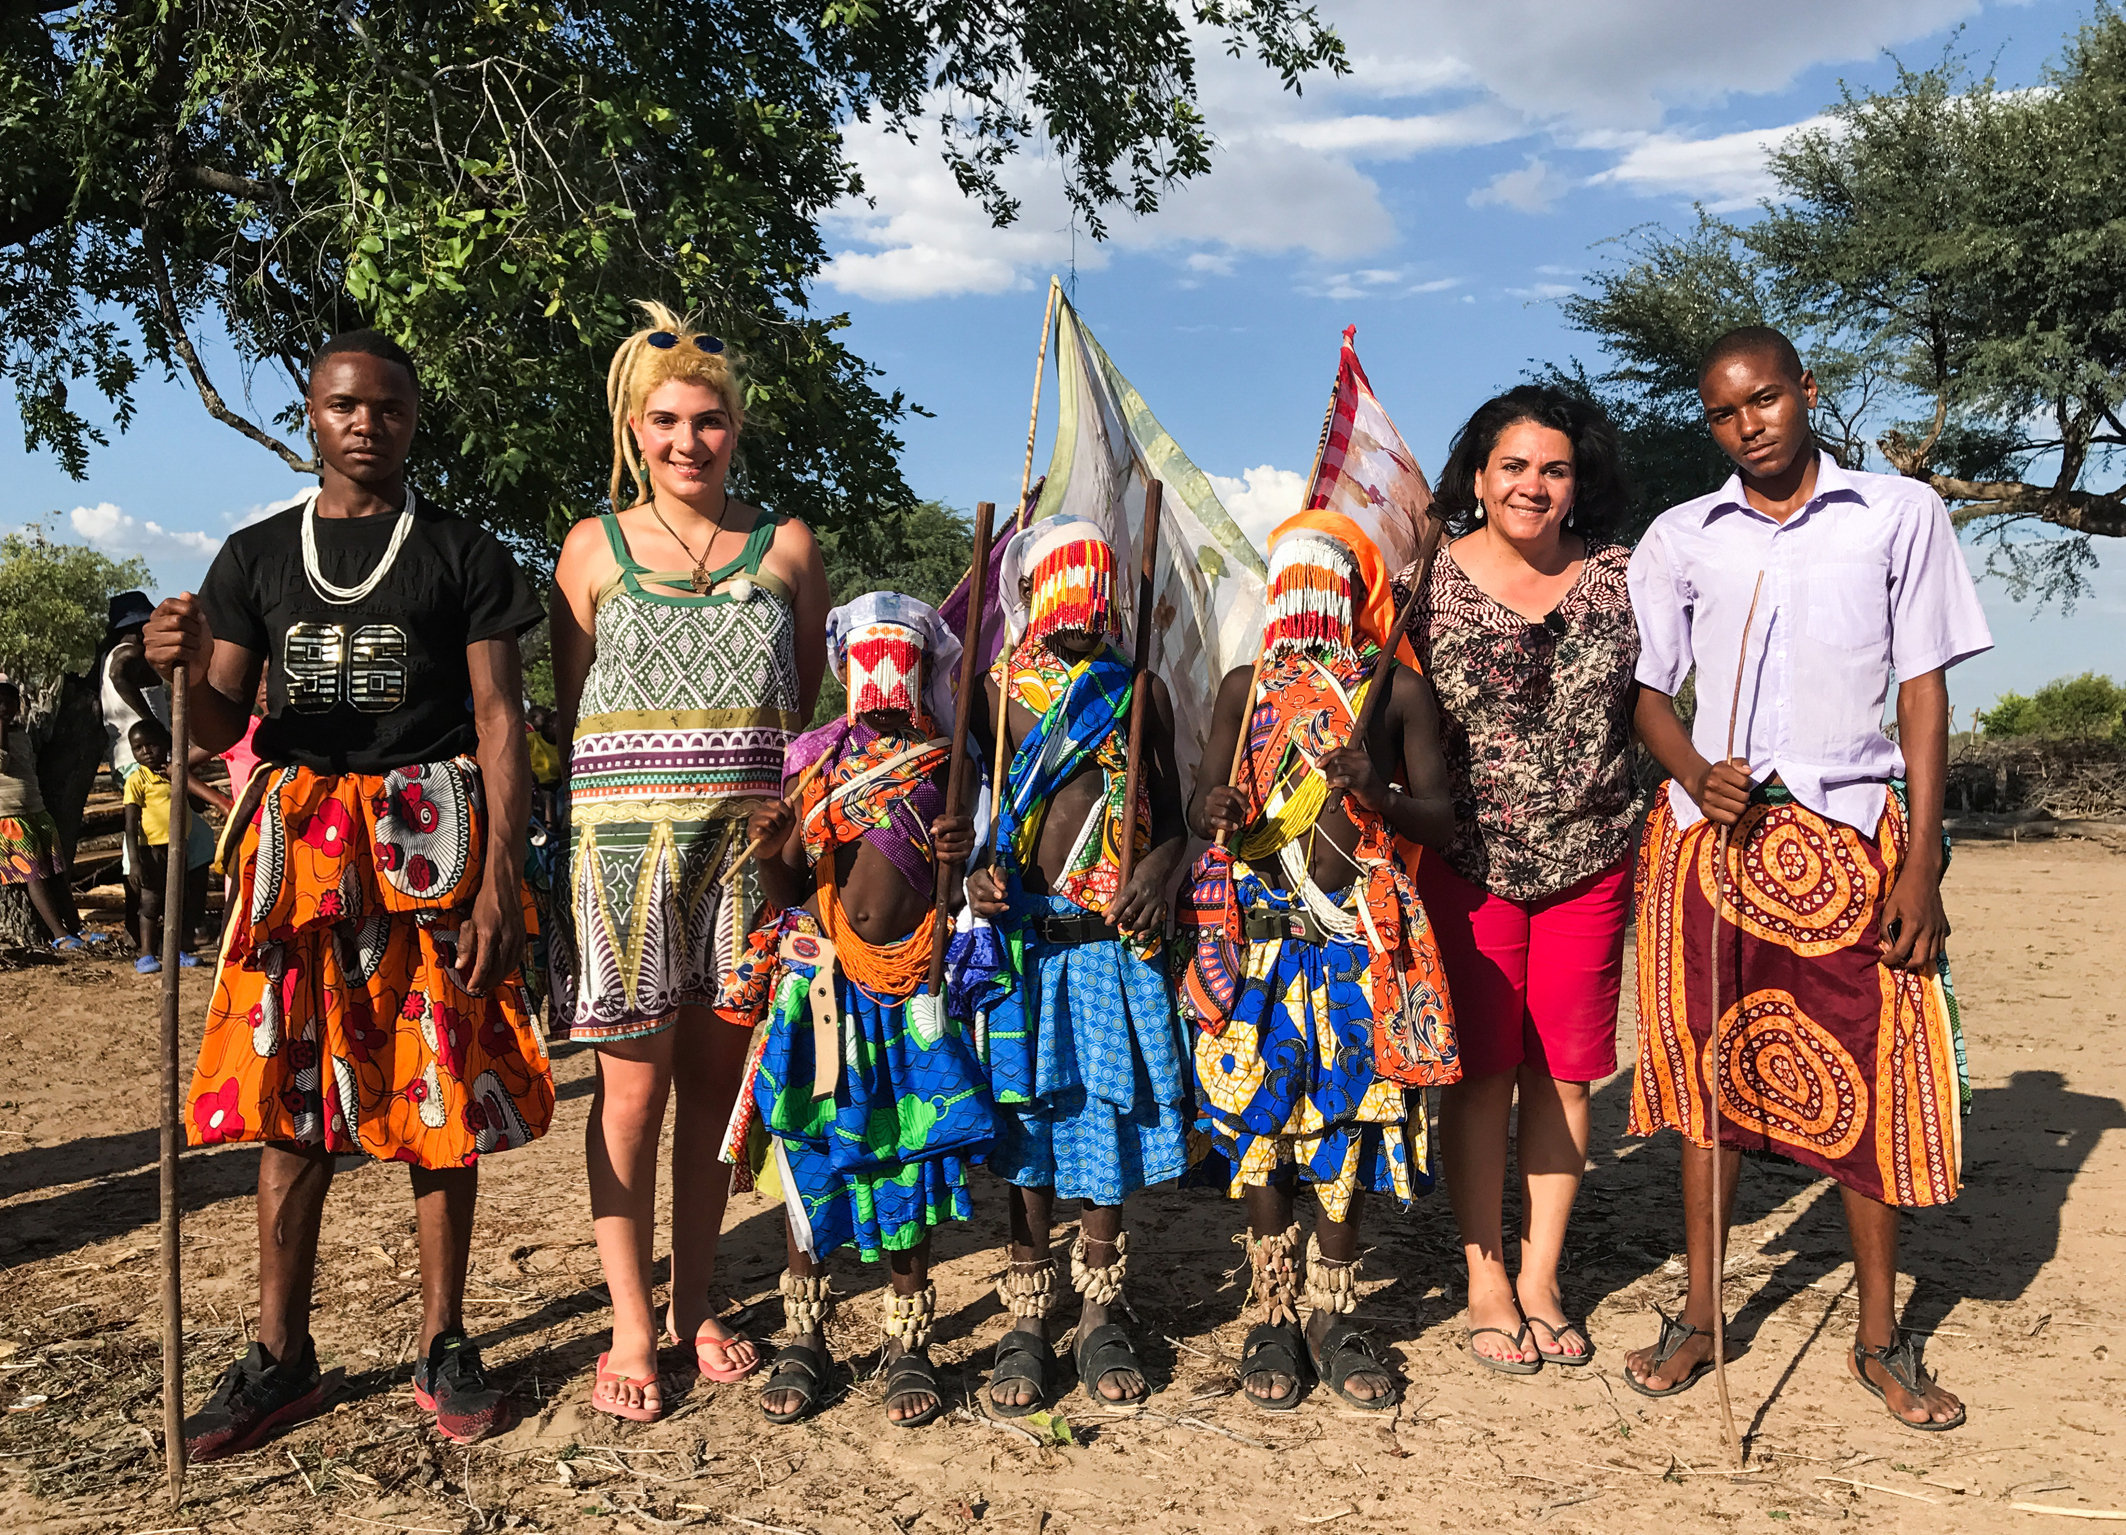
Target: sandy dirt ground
[{"x": 2021, "y": 1285}]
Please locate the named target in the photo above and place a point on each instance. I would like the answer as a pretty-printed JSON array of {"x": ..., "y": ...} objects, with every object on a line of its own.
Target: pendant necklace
[
  {"x": 347, "y": 596},
  {"x": 700, "y": 581}
]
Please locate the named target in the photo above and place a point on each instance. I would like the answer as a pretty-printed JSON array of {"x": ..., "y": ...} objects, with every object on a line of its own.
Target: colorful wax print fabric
[
  {"x": 338, "y": 1018},
  {"x": 1825, "y": 1056},
  {"x": 881, "y": 1159}
]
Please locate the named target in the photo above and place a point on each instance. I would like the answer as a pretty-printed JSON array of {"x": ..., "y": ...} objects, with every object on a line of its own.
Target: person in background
[
  {"x": 30, "y": 852},
  {"x": 147, "y": 837},
  {"x": 1525, "y": 629}
]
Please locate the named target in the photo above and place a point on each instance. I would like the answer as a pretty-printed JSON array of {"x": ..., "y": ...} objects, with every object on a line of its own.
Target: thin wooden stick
[
  {"x": 1040, "y": 372},
  {"x": 1719, "y": 1064},
  {"x": 1140, "y": 670},
  {"x": 174, "y": 918},
  {"x": 985, "y": 513},
  {"x": 1377, "y": 690},
  {"x": 1247, "y": 706}
]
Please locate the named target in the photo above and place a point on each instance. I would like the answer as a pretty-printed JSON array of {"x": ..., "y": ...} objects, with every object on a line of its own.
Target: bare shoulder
[
  {"x": 586, "y": 555},
  {"x": 1233, "y": 690},
  {"x": 794, "y": 539}
]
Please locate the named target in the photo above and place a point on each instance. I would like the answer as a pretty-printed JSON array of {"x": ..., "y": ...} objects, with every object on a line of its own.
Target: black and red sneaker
[
  {"x": 451, "y": 1384},
  {"x": 256, "y": 1396}
]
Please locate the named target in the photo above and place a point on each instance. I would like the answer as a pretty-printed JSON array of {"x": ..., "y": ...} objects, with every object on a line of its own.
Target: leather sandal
[
  {"x": 1273, "y": 1348},
  {"x": 798, "y": 1369},
  {"x": 912, "y": 1374},
  {"x": 1900, "y": 1361},
  {"x": 1103, "y": 1352},
  {"x": 1344, "y": 1352},
  {"x": 1674, "y": 1335},
  {"x": 1022, "y": 1356}
]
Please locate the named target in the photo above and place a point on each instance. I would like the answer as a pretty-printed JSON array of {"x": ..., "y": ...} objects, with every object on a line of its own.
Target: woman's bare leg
[{"x": 627, "y": 1117}]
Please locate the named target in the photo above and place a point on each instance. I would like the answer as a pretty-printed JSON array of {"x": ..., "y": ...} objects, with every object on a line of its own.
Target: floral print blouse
[{"x": 1536, "y": 725}]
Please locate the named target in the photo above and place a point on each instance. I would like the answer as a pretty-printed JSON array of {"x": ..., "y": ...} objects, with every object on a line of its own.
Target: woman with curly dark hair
[{"x": 1526, "y": 631}]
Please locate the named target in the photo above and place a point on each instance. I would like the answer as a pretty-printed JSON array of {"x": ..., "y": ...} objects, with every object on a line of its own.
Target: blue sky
[{"x": 1440, "y": 198}]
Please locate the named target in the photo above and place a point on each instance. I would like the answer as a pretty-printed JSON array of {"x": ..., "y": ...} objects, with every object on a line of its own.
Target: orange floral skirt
[{"x": 337, "y": 1016}]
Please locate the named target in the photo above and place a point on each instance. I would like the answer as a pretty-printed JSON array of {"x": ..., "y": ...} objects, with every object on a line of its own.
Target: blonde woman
[{"x": 689, "y": 638}]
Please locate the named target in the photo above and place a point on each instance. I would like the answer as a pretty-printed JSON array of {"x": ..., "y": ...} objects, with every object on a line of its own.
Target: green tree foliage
[
  {"x": 53, "y": 602},
  {"x": 491, "y": 181},
  {"x": 1947, "y": 256},
  {"x": 2084, "y": 708}
]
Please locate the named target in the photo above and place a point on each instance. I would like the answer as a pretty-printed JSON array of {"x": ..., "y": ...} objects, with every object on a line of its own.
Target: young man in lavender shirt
[{"x": 1836, "y": 1043}]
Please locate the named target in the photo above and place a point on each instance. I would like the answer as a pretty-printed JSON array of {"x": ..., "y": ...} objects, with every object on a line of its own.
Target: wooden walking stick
[
  {"x": 1247, "y": 704},
  {"x": 1140, "y": 669},
  {"x": 1719, "y": 1062},
  {"x": 956, "y": 779},
  {"x": 174, "y": 919},
  {"x": 1377, "y": 689}
]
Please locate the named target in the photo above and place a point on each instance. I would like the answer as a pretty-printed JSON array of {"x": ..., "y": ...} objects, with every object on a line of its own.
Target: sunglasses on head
[{"x": 664, "y": 341}]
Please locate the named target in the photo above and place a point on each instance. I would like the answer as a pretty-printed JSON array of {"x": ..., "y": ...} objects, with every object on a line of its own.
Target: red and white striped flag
[{"x": 1367, "y": 472}]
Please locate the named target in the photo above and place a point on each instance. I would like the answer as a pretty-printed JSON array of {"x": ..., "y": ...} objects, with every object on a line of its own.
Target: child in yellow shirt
[{"x": 147, "y": 831}]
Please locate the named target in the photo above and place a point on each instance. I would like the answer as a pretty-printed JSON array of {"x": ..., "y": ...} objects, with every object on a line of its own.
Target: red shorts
[{"x": 1534, "y": 981}]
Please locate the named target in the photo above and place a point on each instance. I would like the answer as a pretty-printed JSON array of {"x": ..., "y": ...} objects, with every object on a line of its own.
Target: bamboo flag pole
[
  {"x": 174, "y": 924},
  {"x": 1040, "y": 372},
  {"x": 985, "y": 513},
  {"x": 1247, "y": 705},
  {"x": 1140, "y": 669},
  {"x": 1719, "y": 1061}
]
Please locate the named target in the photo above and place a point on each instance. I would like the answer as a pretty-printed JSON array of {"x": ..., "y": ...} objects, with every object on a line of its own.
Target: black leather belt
[
  {"x": 1263, "y": 925},
  {"x": 1069, "y": 928}
]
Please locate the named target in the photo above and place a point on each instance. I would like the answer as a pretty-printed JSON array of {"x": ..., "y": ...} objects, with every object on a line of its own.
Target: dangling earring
[{"x": 1479, "y": 508}]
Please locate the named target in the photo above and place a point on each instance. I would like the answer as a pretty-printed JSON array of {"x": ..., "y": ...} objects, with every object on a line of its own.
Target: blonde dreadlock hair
[{"x": 637, "y": 371}]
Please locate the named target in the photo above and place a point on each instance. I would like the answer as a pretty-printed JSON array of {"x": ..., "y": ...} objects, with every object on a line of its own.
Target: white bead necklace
[{"x": 347, "y": 596}]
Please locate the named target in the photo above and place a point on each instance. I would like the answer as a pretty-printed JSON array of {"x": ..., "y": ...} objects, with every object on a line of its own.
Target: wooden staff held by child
[{"x": 956, "y": 780}]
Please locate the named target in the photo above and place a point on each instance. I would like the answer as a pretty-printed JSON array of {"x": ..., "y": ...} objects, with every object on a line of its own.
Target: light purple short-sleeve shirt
[{"x": 1864, "y": 582}]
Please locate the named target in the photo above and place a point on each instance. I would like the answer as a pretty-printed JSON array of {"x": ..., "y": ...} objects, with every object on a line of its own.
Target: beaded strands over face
[
  {"x": 347, "y": 596},
  {"x": 1073, "y": 590},
  {"x": 1312, "y": 606}
]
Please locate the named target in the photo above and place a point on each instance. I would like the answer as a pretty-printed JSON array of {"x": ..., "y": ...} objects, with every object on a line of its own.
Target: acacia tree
[
  {"x": 1947, "y": 254},
  {"x": 490, "y": 181}
]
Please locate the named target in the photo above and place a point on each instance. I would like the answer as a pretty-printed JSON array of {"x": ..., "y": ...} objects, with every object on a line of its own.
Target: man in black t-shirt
[{"x": 369, "y": 998}]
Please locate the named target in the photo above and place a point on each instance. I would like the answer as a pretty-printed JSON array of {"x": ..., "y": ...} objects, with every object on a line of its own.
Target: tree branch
[
  {"x": 2079, "y": 511},
  {"x": 209, "y": 396},
  {"x": 207, "y": 179}
]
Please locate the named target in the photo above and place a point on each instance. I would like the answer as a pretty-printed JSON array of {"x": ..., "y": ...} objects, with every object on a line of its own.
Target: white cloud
[
  {"x": 1260, "y": 500},
  {"x": 1436, "y": 285},
  {"x": 1428, "y": 77},
  {"x": 1531, "y": 189},
  {"x": 1728, "y": 171},
  {"x": 1369, "y": 136},
  {"x": 106, "y": 527},
  {"x": 1619, "y": 63}
]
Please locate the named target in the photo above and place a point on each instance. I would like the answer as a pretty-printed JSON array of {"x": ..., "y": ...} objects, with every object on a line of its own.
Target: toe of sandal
[
  {"x": 1022, "y": 1357},
  {"x": 1103, "y": 1352},
  {"x": 912, "y": 1374},
  {"x": 1273, "y": 1348},
  {"x": 1345, "y": 1351},
  {"x": 1557, "y": 1355},
  {"x": 1901, "y": 1362},
  {"x": 797, "y": 1369}
]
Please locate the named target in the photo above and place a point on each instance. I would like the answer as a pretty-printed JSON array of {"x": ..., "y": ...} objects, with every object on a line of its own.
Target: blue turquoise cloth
[
  {"x": 1059, "y": 745},
  {"x": 1088, "y": 1068},
  {"x": 1289, "y": 1081},
  {"x": 885, "y": 1159}
]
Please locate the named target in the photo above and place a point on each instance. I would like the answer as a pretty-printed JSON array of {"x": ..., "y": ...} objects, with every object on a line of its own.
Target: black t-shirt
[{"x": 382, "y": 682}]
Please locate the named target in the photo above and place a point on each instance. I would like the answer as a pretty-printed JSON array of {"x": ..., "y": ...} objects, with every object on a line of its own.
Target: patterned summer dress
[{"x": 680, "y": 734}]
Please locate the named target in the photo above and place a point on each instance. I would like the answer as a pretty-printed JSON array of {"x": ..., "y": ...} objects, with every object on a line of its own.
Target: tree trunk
[{"x": 67, "y": 733}]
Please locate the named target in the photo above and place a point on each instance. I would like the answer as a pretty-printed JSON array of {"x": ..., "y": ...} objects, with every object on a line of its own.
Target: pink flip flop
[
  {"x": 723, "y": 1375},
  {"x": 615, "y": 1409}
]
